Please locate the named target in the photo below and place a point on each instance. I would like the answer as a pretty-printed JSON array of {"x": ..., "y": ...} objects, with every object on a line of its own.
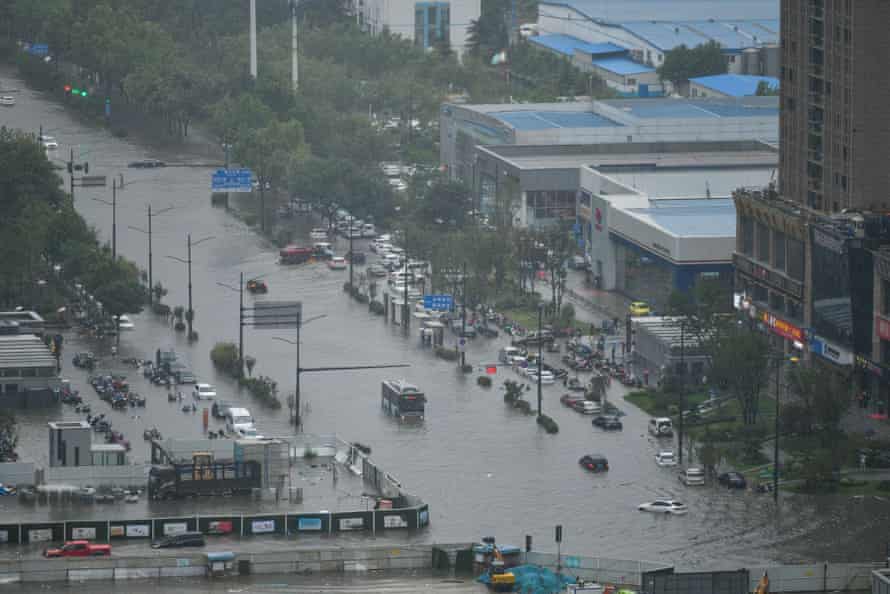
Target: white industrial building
[
  {"x": 748, "y": 31},
  {"x": 425, "y": 23}
]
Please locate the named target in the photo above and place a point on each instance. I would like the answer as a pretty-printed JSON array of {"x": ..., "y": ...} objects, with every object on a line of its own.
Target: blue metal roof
[
  {"x": 622, "y": 66},
  {"x": 730, "y": 110},
  {"x": 665, "y": 35},
  {"x": 612, "y": 11},
  {"x": 723, "y": 33},
  {"x": 566, "y": 45},
  {"x": 735, "y": 85},
  {"x": 543, "y": 120},
  {"x": 691, "y": 109},
  {"x": 690, "y": 218}
]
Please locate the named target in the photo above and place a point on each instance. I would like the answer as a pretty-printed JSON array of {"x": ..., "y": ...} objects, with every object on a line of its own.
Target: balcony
[
  {"x": 817, "y": 70},
  {"x": 815, "y": 155},
  {"x": 817, "y": 41},
  {"x": 817, "y": 98}
]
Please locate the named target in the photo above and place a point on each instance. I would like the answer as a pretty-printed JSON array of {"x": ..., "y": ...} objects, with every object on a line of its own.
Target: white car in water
[
  {"x": 204, "y": 392},
  {"x": 665, "y": 458},
  {"x": 664, "y": 506}
]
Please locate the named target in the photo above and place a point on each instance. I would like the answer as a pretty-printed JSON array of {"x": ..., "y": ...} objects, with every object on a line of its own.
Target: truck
[
  {"x": 174, "y": 481},
  {"x": 78, "y": 548}
]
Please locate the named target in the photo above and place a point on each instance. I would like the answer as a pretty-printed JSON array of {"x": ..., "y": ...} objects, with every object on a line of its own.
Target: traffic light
[
  {"x": 83, "y": 93},
  {"x": 67, "y": 88}
]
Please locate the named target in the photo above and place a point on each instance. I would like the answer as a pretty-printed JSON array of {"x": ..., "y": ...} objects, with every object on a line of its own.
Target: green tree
[
  {"x": 826, "y": 394},
  {"x": 682, "y": 63},
  {"x": 764, "y": 89},
  {"x": 739, "y": 365},
  {"x": 446, "y": 202}
]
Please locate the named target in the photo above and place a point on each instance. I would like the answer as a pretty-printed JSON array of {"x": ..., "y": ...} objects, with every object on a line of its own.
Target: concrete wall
[
  {"x": 17, "y": 473},
  {"x": 99, "y": 476}
]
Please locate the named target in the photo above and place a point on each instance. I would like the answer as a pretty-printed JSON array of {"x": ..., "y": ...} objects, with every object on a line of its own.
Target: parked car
[
  {"x": 257, "y": 286},
  {"x": 610, "y": 423},
  {"x": 692, "y": 476},
  {"x": 588, "y": 407},
  {"x": 639, "y": 308},
  {"x": 664, "y": 506},
  {"x": 204, "y": 392},
  {"x": 571, "y": 399},
  {"x": 578, "y": 263},
  {"x": 733, "y": 480},
  {"x": 78, "y": 548},
  {"x": 220, "y": 408},
  {"x": 665, "y": 458},
  {"x": 594, "y": 463},
  {"x": 147, "y": 164},
  {"x": 183, "y": 539}
]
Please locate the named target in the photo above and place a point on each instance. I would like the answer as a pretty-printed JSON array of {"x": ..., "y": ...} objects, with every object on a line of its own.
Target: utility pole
[
  {"x": 241, "y": 326},
  {"x": 190, "y": 314},
  {"x": 776, "y": 444},
  {"x": 150, "y": 254},
  {"x": 114, "y": 219},
  {"x": 253, "y": 69},
  {"x": 71, "y": 172},
  {"x": 682, "y": 385},
  {"x": 351, "y": 253},
  {"x": 295, "y": 73},
  {"x": 463, "y": 315},
  {"x": 406, "y": 311},
  {"x": 540, "y": 355}
]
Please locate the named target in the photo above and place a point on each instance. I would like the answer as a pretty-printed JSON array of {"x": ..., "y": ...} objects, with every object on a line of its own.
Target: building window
[
  {"x": 762, "y": 242},
  {"x": 29, "y": 372},
  {"x": 432, "y": 23},
  {"x": 584, "y": 199},
  {"x": 793, "y": 309},
  {"x": 778, "y": 250},
  {"x": 551, "y": 205},
  {"x": 761, "y": 295},
  {"x": 794, "y": 258},
  {"x": 746, "y": 230},
  {"x": 885, "y": 294},
  {"x": 777, "y": 303}
]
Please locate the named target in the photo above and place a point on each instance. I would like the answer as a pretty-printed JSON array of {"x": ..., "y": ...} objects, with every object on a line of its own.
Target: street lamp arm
[
  {"x": 203, "y": 239},
  {"x": 141, "y": 230},
  {"x": 288, "y": 341},
  {"x": 103, "y": 201},
  {"x": 178, "y": 259},
  {"x": 162, "y": 211},
  {"x": 230, "y": 287}
]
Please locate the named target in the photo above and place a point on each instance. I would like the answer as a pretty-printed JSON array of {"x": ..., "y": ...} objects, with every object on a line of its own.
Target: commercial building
[
  {"x": 834, "y": 95},
  {"x": 650, "y": 217},
  {"x": 748, "y": 32},
  {"x": 427, "y": 24},
  {"x": 28, "y": 374},
  {"x": 611, "y": 63},
  {"x": 463, "y": 127},
  {"x": 726, "y": 86},
  {"x": 21, "y": 322},
  {"x": 663, "y": 345}
]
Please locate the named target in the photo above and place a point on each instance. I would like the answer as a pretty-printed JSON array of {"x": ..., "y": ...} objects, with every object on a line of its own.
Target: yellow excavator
[{"x": 501, "y": 579}]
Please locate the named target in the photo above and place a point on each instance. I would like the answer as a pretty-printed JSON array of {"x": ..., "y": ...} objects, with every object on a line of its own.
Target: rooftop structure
[
  {"x": 651, "y": 28},
  {"x": 729, "y": 85},
  {"x": 566, "y": 45},
  {"x": 25, "y": 351},
  {"x": 463, "y": 127}
]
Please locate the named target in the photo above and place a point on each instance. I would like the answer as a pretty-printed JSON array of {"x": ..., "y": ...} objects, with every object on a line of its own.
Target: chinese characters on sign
[
  {"x": 781, "y": 327},
  {"x": 438, "y": 302}
]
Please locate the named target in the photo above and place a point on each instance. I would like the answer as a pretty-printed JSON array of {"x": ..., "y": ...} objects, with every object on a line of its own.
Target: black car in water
[
  {"x": 594, "y": 463},
  {"x": 608, "y": 422},
  {"x": 732, "y": 480}
]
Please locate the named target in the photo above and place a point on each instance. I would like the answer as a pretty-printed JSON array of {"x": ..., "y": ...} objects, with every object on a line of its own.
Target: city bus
[{"x": 402, "y": 400}]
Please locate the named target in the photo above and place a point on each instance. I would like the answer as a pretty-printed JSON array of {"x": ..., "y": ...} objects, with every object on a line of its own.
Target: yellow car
[{"x": 639, "y": 308}]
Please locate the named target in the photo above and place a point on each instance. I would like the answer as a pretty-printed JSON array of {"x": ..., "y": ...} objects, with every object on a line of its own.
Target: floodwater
[{"x": 483, "y": 468}]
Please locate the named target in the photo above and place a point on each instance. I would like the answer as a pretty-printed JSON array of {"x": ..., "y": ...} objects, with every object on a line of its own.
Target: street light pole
[
  {"x": 150, "y": 253},
  {"x": 241, "y": 326},
  {"x": 776, "y": 444},
  {"x": 114, "y": 219},
  {"x": 463, "y": 315},
  {"x": 540, "y": 354},
  {"x": 190, "y": 315},
  {"x": 682, "y": 386},
  {"x": 351, "y": 253}
]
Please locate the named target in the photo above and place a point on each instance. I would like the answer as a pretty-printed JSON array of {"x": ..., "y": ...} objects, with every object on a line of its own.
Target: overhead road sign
[
  {"x": 274, "y": 315},
  {"x": 232, "y": 180},
  {"x": 438, "y": 302}
]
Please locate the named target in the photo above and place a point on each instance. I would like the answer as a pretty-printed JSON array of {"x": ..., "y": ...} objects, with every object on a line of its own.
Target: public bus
[{"x": 402, "y": 400}]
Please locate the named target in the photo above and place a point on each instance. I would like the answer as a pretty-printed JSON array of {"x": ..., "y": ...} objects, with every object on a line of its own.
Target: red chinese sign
[
  {"x": 781, "y": 327},
  {"x": 882, "y": 326}
]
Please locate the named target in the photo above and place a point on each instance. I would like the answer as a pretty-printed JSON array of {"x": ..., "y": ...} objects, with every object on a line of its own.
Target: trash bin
[{"x": 244, "y": 567}]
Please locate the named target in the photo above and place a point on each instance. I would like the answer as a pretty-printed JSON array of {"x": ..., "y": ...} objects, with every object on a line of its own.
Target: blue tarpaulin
[{"x": 532, "y": 579}]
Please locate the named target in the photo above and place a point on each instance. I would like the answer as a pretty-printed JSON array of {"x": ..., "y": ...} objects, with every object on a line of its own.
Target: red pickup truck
[{"x": 79, "y": 548}]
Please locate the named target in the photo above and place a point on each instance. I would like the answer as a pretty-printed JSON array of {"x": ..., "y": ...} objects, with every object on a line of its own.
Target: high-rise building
[{"x": 835, "y": 132}]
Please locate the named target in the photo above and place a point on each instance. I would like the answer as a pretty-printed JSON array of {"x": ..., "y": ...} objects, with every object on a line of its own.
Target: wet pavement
[{"x": 483, "y": 468}]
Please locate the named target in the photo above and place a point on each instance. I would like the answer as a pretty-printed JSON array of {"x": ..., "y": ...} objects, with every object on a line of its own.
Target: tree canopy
[{"x": 682, "y": 63}]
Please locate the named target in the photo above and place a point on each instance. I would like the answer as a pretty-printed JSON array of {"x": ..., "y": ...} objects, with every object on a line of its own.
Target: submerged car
[
  {"x": 733, "y": 480},
  {"x": 664, "y": 506},
  {"x": 639, "y": 308},
  {"x": 665, "y": 458},
  {"x": 594, "y": 463}
]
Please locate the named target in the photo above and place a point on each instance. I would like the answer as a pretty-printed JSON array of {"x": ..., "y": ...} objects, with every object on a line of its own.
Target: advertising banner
[
  {"x": 262, "y": 526},
  {"x": 309, "y": 524},
  {"x": 138, "y": 531},
  {"x": 83, "y": 533},
  {"x": 175, "y": 528},
  {"x": 352, "y": 524}
]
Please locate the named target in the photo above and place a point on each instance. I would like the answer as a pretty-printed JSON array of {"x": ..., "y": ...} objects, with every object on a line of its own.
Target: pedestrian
[
  {"x": 862, "y": 460},
  {"x": 646, "y": 377}
]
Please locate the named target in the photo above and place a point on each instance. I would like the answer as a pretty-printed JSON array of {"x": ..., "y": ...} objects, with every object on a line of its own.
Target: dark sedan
[
  {"x": 732, "y": 480},
  {"x": 608, "y": 422}
]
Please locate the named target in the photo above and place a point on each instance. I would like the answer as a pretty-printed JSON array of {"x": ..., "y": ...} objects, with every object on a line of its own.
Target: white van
[
  {"x": 238, "y": 420},
  {"x": 510, "y": 355},
  {"x": 661, "y": 427},
  {"x": 693, "y": 477},
  {"x": 400, "y": 277}
]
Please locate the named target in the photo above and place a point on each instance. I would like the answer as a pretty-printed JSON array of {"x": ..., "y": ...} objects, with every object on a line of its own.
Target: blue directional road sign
[
  {"x": 38, "y": 49},
  {"x": 232, "y": 180},
  {"x": 438, "y": 302}
]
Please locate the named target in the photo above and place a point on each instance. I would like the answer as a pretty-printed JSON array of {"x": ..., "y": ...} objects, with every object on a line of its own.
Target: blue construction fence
[{"x": 284, "y": 524}]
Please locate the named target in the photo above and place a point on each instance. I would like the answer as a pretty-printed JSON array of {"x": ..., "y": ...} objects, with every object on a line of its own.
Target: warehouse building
[{"x": 28, "y": 373}]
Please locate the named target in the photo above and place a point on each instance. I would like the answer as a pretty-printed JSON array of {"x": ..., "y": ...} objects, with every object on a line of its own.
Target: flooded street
[{"x": 484, "y": 468}]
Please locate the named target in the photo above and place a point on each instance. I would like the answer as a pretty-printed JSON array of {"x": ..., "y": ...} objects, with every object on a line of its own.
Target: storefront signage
[
  {"x": 83, "y": 533},
  {"x": 262, "y": 526},
  {"x": 394, "y": 522},
  {"x": 828, "y": 241},
  {"x": 309, "y": 524},
  {"x": 116, "y": 531},
  {"x": 138, "y": 530},
  {"x": 175, "y": 528},
  {"x": 834, "y": 353},
  {"x": 781, "y": 327},
  {"x": 40, "y": 535},
  {"x": 352, "y": 523},
  {"x": 882, "y": 326}
]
